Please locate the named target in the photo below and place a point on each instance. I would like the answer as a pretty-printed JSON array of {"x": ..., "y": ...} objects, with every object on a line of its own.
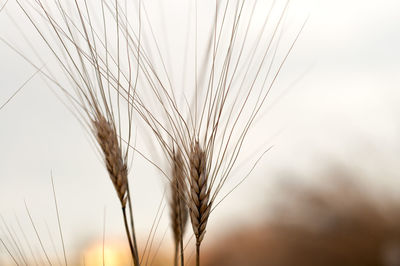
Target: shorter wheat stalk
[
  {"x": 179, "y": 212},
  {"x": 199, "y": 206}
]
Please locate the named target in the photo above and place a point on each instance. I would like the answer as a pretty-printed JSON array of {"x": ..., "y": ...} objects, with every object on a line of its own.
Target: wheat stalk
[
  {"x": 199, "y": 205},
  {"x": 96, "y": 93},
  {"x": 179, "y": 211},
  {"x": 118, "y": 171},
  {"x": 116, "y": 166}
]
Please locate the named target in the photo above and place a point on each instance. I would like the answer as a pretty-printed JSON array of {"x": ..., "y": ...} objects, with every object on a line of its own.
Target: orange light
[{"x": 115, "y": 254}]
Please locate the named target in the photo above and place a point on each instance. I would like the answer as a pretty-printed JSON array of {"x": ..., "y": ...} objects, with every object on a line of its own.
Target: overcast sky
[{"x": 336, "y": 99}]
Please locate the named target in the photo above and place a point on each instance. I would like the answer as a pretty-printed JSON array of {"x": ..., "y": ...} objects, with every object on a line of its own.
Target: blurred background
[{"x": 327, "y": 193}]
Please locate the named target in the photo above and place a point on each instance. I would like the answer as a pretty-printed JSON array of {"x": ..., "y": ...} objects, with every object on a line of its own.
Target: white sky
[{"x": 343, "y": 106}]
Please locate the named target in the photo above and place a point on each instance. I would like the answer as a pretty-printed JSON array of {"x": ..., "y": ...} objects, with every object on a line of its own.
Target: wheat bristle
[{"x": 117, "y": 169}]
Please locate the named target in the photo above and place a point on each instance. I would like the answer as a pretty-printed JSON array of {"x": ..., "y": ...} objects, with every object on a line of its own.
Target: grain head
[
  {"x": 179, "y": 212},
  {"x": 199, "y": 206},
  {"x": 116, "y": 166}
]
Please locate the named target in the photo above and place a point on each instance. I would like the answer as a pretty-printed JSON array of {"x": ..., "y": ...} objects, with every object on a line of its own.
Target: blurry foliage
[{"x": 339, "y": 223}]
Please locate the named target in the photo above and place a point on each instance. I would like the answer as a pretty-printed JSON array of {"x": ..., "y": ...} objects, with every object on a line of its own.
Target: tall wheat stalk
[{"x": 92, "y": 92}]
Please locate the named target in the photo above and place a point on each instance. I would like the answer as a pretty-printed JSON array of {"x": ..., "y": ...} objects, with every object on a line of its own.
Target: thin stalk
[
  {"x": 181, "y": 238},
  {"x": 133, "y": 226},
  {"x": 134, "y": 257},
  {"x": 58, "y": 220},
  {"x": 179, "y": 245},
  {"x": 176, "y": 254},
  {"x": 197, "y": 253},
  {"x": 182, "y": 256}
]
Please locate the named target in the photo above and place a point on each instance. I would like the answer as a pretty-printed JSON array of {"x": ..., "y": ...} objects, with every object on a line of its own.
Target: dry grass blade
[
  {"x": 199, "y": 206},
  {"x": 15, "y": 241},
  {"x": 55, "y": 255},
  {"x": 37, "y": 235},
  {"x": 153, "y": 230},
  {"x": 59, "y": 221},
  {"x": 3, "y": 5},
  {"x": 26, "y": 241},
  {"x": 19, "y": 89},
  {"x": 9, "y": 252},
  {"x": 179, "y": 211}
]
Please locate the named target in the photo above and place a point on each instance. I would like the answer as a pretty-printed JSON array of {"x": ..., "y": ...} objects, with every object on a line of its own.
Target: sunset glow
[{"x": 115, "y": 254}]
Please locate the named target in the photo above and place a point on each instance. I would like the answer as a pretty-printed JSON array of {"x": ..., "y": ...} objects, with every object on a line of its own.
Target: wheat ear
[
  {"x": 179, "y": 211},
  {"x": 107, "y": 138},
  {"x": 199, "y": 206},
  {"x": 116, "y": 167}
]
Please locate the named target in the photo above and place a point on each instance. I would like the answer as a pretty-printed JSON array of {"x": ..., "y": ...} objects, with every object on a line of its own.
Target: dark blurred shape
[{"x": 340, "y": 223}]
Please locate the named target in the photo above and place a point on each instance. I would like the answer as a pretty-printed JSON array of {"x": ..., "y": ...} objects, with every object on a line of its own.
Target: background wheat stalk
[{"x": 178, "y": 206}]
